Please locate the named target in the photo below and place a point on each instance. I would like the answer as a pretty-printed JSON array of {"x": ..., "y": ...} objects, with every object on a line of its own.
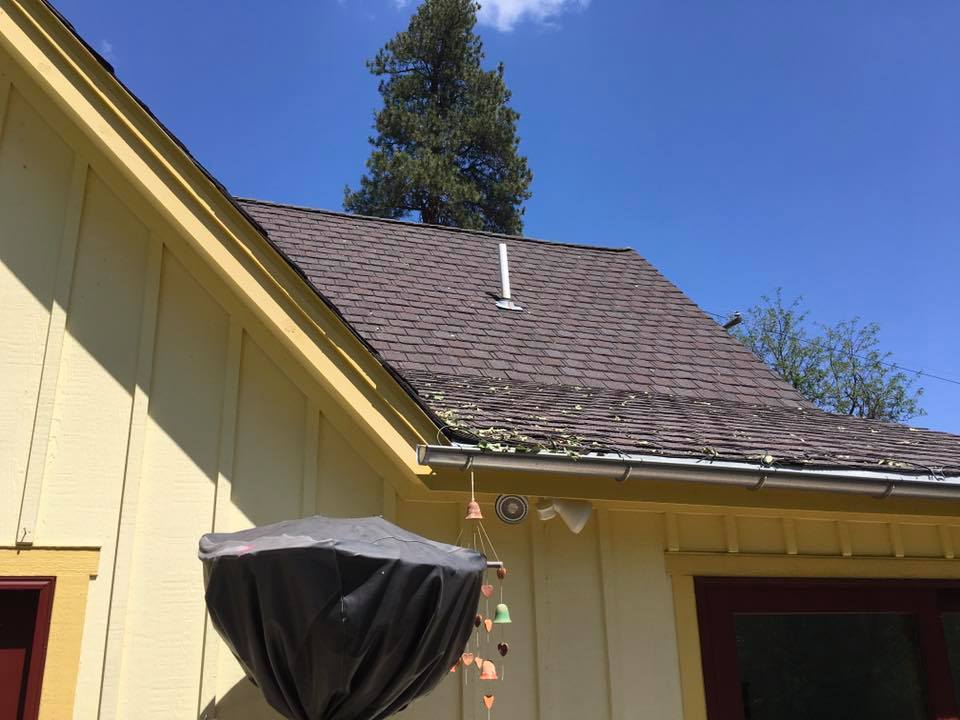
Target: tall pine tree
[{"x": 446, "y": 147}]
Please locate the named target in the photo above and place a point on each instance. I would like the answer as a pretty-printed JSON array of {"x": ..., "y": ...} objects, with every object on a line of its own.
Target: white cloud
[
  {"x": 505, "y": 14},
  {"x": 106, "y": 49}
]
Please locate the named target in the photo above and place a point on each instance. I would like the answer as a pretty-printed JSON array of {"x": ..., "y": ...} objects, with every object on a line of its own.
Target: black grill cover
[{"x": 341, "y": 619}]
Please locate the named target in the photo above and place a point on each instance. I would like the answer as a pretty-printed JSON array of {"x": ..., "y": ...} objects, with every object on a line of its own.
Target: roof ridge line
[{"x": 411, "y": 223}]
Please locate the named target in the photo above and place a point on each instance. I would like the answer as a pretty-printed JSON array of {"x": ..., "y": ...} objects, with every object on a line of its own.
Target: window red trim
[
  {"x": 41, "y": 633},
  {"x": 719, "y": 598}
]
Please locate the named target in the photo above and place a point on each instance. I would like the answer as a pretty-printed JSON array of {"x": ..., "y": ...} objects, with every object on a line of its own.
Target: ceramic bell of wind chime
[{"x": 487, "y": 627}]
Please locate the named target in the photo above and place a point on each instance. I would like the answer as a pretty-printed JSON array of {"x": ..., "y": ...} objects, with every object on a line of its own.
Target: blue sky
[{"x": 740, "y": 146}]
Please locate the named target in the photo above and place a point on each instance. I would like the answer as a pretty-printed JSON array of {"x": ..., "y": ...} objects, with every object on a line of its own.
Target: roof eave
[{"x": 752, "y": 476}]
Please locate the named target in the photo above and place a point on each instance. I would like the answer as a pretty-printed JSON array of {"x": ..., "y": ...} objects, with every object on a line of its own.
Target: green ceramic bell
[{"x": 502, "y": 615}]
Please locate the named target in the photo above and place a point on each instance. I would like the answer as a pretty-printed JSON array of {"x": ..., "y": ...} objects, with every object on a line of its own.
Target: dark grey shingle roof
[
  {"x": 606, "y": 354},
  {"x": 424, "y": 297},
  {"x": 644, "y": 423}
]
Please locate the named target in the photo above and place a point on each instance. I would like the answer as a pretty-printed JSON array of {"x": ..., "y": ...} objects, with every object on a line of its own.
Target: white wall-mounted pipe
[{"x": 713, "y": 472}]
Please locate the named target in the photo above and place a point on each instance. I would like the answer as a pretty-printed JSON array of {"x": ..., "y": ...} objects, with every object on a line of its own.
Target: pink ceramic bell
[
  {"x": 473, "y": 511},
  {"x": 489, "y": 671}
]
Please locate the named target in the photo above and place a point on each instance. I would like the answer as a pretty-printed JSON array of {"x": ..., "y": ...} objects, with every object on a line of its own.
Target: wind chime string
[
  {"x": 483, "y": 547},
  {"x": 483, "y": 532},
  {"x": 482, "y": 542}
]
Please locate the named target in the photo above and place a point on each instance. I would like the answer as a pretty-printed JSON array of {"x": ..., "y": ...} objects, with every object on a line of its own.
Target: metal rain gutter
[{"x": 713, "y": 472}]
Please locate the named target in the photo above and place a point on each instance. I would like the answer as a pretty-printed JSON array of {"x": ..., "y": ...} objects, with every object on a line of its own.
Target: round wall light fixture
[{"x": 512, "y": 509}]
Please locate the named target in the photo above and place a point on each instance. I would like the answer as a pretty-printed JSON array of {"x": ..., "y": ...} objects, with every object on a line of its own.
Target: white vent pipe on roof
[
  {"x": 504, "y": 272},
  {"x": 506, "y": 301}
]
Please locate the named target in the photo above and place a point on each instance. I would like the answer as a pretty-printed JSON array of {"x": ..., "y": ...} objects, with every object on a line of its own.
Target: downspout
[{"x": 879, "y": 485}]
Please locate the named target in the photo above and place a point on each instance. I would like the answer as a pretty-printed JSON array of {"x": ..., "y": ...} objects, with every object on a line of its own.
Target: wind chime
[{"x": 487, "y": 628}]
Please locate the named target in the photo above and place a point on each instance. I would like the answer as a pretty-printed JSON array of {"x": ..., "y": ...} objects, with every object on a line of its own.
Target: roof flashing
[{"x": 508, "y": 304}]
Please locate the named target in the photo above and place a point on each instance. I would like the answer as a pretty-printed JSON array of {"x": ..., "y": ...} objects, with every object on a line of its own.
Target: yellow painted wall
[
  {"x": 169, "y": 413},
  {"x": 592, "y": 633},
  {"x": 143, "y": 403},
  {"x": 140, "y": 406}
]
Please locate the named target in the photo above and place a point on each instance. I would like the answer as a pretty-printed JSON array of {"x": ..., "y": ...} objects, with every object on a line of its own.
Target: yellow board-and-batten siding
[
  {"x": 154, "y": 385},
  {"x": 127, "y": 382}
]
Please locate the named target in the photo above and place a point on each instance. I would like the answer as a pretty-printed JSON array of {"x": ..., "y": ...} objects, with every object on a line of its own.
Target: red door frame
[
  {"x": 719, "y": 598},
  {"x": 41, "y": 632}
]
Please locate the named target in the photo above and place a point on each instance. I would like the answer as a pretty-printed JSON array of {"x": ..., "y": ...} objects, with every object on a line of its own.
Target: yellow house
[{"x": 175, "y": 361}]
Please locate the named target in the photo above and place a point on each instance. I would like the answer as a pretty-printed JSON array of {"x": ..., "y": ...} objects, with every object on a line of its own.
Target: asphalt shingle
[{"x": 606, "y": 355}]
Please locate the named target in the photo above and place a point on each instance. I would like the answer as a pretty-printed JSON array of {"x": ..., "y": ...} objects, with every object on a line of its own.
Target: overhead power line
[{"x": 725, "y": 319}]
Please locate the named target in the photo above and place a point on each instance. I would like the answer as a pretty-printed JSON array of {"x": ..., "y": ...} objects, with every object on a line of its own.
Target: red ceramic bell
[{"x": 473, "y": 511}]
